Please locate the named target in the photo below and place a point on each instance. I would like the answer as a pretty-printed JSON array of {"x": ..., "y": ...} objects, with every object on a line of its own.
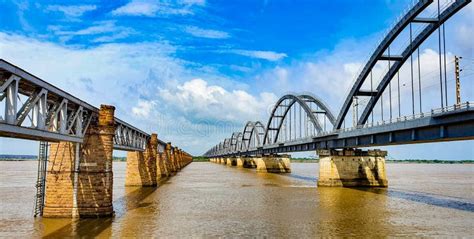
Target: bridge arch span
[
  {"x": 397, "y": 60},
  {"x": 282, "y": 108},
  {"x": 252, "y": 136}
]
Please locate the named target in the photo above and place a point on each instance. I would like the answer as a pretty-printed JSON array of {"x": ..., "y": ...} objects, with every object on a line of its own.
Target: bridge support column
[
  {"x": 170, "y": 159},
  {"x": 231, "y": 161},
  {"x": 352, "y": 168},
  {"x": 80, "y": 176},
  {"x": 141, "y": 166},
  {"x": 177, "y": 159},
  {"x": 249, "y": 162},
  {"x": 239, "y": 162},
  {"x": 273, "y": 164},
  {"x": 162, "y": 166}
]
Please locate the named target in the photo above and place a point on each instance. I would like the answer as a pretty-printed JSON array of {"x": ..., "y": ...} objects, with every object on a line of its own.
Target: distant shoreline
[{"x": 295, "y": 160}]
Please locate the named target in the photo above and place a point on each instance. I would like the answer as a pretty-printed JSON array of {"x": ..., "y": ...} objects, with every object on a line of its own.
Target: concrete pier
[
  {"x": 352, "y": 168},
  {"x": 273, "y": 164},
  {"x": 79, "y": 177}
]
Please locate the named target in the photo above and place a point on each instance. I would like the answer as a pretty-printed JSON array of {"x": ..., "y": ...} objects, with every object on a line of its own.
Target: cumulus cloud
[
  {"x": 150, "y": 8},
  {"x": 150, "y": 88},
  {"x": 143, "y": 108},
  {"x": 71, "y": 11},
  {"x": 206, "y": 33},
  {"x": 197, "y": 97}
]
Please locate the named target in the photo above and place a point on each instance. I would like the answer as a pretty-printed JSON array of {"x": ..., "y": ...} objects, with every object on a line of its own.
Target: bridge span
[
  {"x": 304, "y": 122},
  {"x": 76, "y": 145}
]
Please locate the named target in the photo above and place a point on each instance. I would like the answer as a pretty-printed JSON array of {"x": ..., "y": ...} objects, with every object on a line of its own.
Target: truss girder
[{"x": 54, "y": 114}]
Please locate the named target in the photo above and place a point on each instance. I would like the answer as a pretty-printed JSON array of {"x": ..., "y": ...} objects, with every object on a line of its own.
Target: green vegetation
[
  {"x": 200, "y": 159},
  {"x": 120, "y": 159},
  {"x": 304, "y": 160},
  {"x": 7, "y": 157}
]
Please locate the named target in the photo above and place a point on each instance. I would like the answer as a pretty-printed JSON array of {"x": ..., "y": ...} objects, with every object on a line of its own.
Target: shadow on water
[
  {"x": 310, "y": 179},
  {"x": 81, "y": 228},
  {"x": 430, "y": 199},
  {"x": 93, "y": 227}
]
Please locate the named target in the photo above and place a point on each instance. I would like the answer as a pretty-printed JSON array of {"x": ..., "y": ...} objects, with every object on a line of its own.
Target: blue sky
[{"x": 196, "y": 70}]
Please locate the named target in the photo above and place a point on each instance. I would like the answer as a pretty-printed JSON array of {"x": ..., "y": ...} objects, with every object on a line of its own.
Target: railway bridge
[
  {"x": 75, "y": 174},
  {"x": 304, "y": 122}
]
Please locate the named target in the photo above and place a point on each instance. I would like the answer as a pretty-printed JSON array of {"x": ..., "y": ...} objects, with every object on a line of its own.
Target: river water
[{"x": 207, "y": 200}]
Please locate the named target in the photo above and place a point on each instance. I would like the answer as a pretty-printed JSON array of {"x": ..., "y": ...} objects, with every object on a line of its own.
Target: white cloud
[
  {"x": 131, "y": 77},
  {"x": 106, "y": 31},
  {"x": 150, "y": 8},
  {"x": 206, "y": 33},
  {"x": 114, "y": 71},
  {"x": 265, "y": 55},
  {"x": 196, "y": 97},
  {"x": 143, "y": 108},
  {"x": 71, "y": 11}
]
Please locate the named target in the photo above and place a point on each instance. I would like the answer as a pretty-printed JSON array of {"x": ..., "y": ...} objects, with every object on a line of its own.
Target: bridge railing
[{"x": 446, "y": 109}]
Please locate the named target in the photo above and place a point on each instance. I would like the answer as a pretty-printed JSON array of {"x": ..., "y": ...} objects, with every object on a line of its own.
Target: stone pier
[
  {"x": 170, "y": 159},
  {"x": 273, "y": 163},
  {"x": 141, "y": 166},
  {"x": 79, "y": 177},
  {"x": 239, "y": 162},
  {"x": 231, "y": 161},
  {"x": 177, "y": 158},
  {"x": 249, "y": 162},
  {"x": 162, "y": 170},
  {"x": 352, "y": 168}
]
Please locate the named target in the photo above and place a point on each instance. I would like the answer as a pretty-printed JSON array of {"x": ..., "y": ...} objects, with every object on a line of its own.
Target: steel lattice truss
[
  {"x": 278, "y": 135},
  {"x": 37, "y": 110}
]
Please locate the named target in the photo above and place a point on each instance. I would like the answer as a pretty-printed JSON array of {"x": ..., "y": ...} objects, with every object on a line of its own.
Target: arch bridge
[{"x": 305, "y": 123}]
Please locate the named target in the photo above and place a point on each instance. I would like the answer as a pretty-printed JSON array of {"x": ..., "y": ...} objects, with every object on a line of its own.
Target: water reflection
[
  {"x": 346, "y": 212},
  {"x": 210, "y": 200},
  {"x": 58, "y": 228}
]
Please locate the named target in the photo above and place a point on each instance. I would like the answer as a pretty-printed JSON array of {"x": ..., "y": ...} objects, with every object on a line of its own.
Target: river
[{"x": 207, "y": 200}]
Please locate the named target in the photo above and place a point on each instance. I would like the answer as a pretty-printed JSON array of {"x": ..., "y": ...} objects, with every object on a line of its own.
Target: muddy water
[{"x": 211, "y": 200}]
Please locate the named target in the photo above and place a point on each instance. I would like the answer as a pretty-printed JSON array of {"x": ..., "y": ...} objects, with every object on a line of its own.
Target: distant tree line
[{"x": 11, "y": 157}]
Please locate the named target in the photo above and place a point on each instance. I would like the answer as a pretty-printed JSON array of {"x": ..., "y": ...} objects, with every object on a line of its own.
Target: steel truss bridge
[
  {"x": 305, "y": 123},
  {"x": 37, "y": 110}
]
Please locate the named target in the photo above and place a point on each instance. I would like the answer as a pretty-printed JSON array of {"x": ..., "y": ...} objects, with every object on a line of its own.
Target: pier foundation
[
  {"x": 273, "y": 164},
  {"x": 80, "y": 176},
  {"x": 352, "y": 168}
]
